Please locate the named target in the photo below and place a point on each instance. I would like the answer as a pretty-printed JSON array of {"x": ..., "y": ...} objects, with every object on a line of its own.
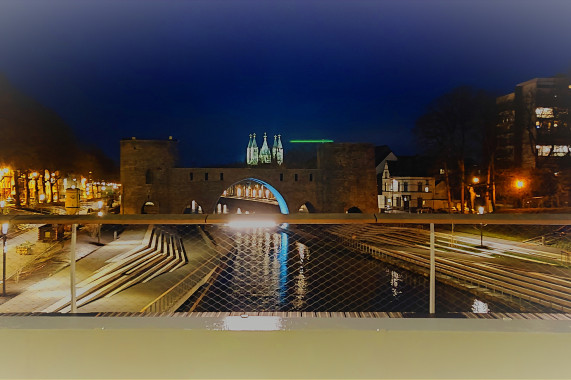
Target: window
[
  {"x": 553, "y": 150},
  {"x": 405, "y": 186},
  {"x": 281, "y": 177},
  {"x": 149, "y": 177},
  {"x": 206, "y": 176},
  {"x": 544, "y": 112},
  {"x": 310, "y": 177},
  {"x": 419, "y": 184},
  {"x": 192, "y": 176},
  {"x": 221, "y": 176},
  {"x": 295, "y": 177}
]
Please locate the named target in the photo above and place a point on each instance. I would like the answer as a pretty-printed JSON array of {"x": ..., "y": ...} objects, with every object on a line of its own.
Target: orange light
[
  {"x": 475, "y": 180},
  {"x": 519, "y": 184}
]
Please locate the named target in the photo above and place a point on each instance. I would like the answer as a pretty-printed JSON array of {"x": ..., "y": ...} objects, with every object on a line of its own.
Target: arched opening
[
  {"x": 193, "y": 208},
  {"x": 354, "y": 210},
  {"x": 251, "y": 195},
  {"x": 150, "y": 207},
  {"x": 307, "y": 207}
]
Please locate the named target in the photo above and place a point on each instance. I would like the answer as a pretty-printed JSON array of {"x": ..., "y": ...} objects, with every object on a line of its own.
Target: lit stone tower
[
  {"x": 274, "y": 148},
  {"x": 254, "y": 151},
  {"x": 280, "y": 151},
  {"x": 265, "y": 154},
  {"x": 249, "y": 151}
]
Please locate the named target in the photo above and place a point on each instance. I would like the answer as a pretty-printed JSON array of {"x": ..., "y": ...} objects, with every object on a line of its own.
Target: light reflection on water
[
  {"x": 273, "y": 271},
  {"x": 480, "y": 307}
]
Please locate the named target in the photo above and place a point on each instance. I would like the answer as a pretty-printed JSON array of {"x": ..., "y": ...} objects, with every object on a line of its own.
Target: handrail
[{"x": 311, "y": 218}]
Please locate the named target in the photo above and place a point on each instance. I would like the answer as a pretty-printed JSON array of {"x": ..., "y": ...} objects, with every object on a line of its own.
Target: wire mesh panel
[{"x": 298, "y": 267}]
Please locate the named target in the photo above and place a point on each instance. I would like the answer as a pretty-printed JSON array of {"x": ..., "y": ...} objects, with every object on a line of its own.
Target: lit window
[
  {"x": 553, "y": 150},
  {"x": 544, "y": 112}
]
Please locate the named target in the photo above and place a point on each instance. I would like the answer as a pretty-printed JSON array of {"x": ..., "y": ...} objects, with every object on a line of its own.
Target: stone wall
[{"x": 344, "y": 178}]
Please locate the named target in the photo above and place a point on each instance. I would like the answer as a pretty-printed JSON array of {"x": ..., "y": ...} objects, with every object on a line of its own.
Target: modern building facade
[
  {"x": 533, "y": 143},
  {"x": 534, "y": 128}
]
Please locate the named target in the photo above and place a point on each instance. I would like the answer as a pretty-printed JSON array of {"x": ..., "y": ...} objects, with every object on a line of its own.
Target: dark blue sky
[{"x": 211, "y": 72}]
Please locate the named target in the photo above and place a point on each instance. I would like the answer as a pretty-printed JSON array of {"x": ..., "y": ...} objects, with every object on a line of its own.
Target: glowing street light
[
  {"x": 519, "y": 185},
  {"x": 475, "y": 180}
]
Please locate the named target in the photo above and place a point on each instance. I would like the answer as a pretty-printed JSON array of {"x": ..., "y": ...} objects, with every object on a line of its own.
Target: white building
[{"x": 405, "y": 185}]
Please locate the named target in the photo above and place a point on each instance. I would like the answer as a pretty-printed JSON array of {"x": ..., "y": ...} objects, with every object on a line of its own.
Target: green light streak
[{"x": 310, "y": 141}]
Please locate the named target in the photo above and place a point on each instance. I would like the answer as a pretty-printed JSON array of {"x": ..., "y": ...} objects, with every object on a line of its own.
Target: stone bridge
[{"x": 343, "y": 179}]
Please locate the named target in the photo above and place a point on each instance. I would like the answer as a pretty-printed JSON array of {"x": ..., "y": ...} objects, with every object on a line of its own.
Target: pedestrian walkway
[
  {"x": 41, "y": 296},
  {"x": 89, "y": 258}
]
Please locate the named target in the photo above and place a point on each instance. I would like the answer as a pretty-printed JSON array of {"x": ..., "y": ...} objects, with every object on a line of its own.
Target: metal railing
[{"x": 423, "y": 263}]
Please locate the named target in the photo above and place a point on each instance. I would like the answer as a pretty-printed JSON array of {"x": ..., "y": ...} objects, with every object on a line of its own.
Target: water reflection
[
  {"x": 395, "y": 278},
  {"x": 281, "y": 241},
  {"x": 271, "y": 269},
  {"x": 480, "y": 307},
  {"x": 259, "y": 269}
]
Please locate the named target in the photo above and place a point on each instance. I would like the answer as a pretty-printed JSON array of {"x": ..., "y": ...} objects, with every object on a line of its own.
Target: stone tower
[{"x": 145, "y": 168}]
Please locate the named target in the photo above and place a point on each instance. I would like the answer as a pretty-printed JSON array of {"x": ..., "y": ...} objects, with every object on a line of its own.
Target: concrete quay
[{"x": 42, "y": 295}]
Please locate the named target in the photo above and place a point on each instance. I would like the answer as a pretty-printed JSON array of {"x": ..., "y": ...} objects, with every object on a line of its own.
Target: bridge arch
[{"x": 282, "y": 204}]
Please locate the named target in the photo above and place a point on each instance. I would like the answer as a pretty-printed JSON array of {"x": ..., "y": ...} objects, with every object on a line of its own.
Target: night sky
[{"x": 211, "y": 72}]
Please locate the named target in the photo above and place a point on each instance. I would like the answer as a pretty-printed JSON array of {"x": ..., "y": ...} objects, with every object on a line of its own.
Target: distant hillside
[{"x": 35, "y": 137}]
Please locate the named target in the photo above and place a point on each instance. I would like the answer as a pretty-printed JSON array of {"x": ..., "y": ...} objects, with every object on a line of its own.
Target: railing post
[
  {"x": 72, "y": 267},
  {"x": 4, "y": 251},
  {"x": 432, "y": 301}
]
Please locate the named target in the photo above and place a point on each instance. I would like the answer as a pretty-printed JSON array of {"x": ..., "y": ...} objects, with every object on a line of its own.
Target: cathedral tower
[
  {"x": 254, "y": 151},
  {"x": 265, "y": 154}
]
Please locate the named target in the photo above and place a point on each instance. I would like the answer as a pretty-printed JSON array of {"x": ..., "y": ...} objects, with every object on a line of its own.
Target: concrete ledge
[{"x": 161, "y": 348}]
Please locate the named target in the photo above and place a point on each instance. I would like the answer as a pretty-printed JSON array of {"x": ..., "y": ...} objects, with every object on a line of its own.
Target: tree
[
  {"x": 36, "y": 138},
  {"x": 452, "y": 130}
]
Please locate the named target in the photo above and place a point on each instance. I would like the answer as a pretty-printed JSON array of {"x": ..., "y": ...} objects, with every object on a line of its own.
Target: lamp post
[
  {"x": 481, "y": 212},
  {"x": 519, "y": 185}
]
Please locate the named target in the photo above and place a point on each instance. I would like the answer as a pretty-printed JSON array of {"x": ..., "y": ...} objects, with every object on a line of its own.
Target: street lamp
[
  {"x": 481, "y": 212},
  {"x": 519, "y": 185}
]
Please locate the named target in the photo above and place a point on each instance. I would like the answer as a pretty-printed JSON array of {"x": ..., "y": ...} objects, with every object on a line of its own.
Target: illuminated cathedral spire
[
  {"x": 265, "y": 154},
  {"x": 254, "y": 152},
  {"x": 249, "y": 151},
  {"x": 279, "y": 151},
  {"x": 274, "y": 148}
]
